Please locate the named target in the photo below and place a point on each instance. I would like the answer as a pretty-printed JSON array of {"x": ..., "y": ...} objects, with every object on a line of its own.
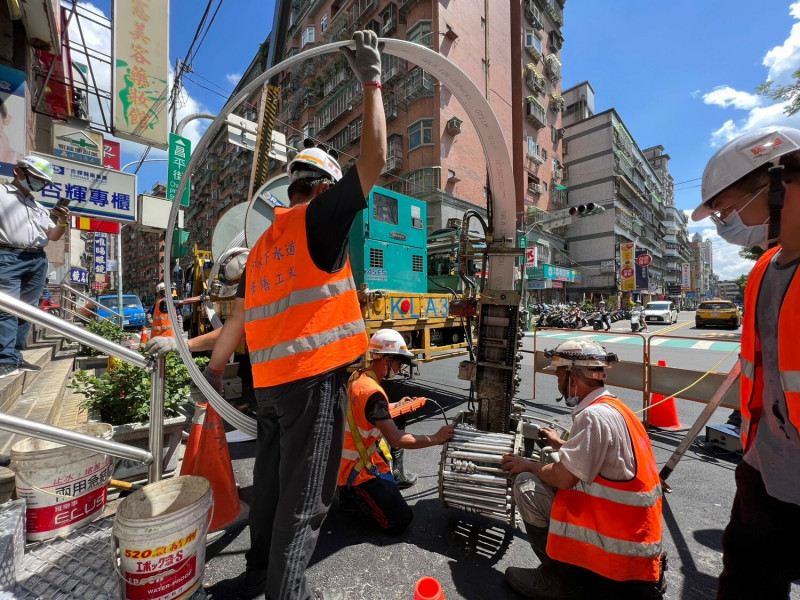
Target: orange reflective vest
[
  {"x": 752, "y": 379},
  {"x": 612, "y": 527},
  {"x": 352, "y": 470},
  {"x": 161, "y": 322},
  {"x": 300, "y": 321}
]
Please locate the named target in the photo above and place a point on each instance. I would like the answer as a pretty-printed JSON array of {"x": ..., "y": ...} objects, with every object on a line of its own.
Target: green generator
[{"x": 388, "y": 243}]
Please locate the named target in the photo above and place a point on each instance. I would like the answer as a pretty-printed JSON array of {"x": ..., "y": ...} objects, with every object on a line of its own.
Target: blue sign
[
  {"x": 642, "y": 272},
  {"x": 100, "y": 251},
  {"x": 79, "y": 276}
]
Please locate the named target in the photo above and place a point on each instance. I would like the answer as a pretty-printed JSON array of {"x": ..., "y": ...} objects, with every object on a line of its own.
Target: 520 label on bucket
[{"x": 160, "y": 550}]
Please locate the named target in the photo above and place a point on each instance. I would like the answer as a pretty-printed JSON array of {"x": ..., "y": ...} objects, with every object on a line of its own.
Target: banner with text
[
  {"x": 140, "y": 68},
  {"x": 642, "y": 272},
  {"x": 627, "y": 272},
  {"x": 180, "y": 149},
  {"x": 686, "y": 276},
  {"x": 100, "y": 252}
]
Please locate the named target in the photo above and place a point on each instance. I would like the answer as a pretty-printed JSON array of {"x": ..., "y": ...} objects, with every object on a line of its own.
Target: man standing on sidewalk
[{"x": 25, "y": 229}]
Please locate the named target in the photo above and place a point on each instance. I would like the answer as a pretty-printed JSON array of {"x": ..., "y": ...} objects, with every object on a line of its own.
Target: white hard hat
[
  {"x": 311, "y": 160},
  {"x": 160, "y": 287},
  {"x": 741, "y": 156},
  {"x": 37, "y": 166},
  {"x": 389, "y": 341},
  {"x": 579, "y": 352}
]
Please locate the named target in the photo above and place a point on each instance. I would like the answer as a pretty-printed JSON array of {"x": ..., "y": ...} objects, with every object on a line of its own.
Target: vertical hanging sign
[
  {"x": 627, "y": 272},
  {"x": 179, "y": 151},
  {"x": 140, "y": 67},
  {"x": 100, "y": 252}
]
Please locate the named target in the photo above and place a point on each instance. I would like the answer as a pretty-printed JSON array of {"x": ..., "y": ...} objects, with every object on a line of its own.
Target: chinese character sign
[
  {"x": 179, "y": 151},
  {"x": 627, "y": 273},
  {"x": 100, "y": 252},
  {"x": 93, "y": 191},
  {"x": 686, "y": 276},
  {"x": 140, "y": 63},
  {"x": 78, "y": 276},
  {"x": 642, "y": 272}
]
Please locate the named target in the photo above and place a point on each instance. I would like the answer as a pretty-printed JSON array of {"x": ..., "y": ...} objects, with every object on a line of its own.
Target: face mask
[
  {"x": 570, "y": 401},
  {"x": 733, "y": 231},
  {"x": 32, "y": 185}
]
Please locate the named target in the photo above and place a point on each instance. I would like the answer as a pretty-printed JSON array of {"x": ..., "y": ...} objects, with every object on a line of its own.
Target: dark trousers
[
  {"x": 298, "y": 451},
  {"x": 761, "y": 555},
  {"x": 22, "y": 276},
  {"x": 380, "y": 500}
]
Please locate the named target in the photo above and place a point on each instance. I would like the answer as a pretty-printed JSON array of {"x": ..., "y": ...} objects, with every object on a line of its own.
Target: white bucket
[
  {"x": 159, "y": 539},
  {"x": 63, "y": 487}
]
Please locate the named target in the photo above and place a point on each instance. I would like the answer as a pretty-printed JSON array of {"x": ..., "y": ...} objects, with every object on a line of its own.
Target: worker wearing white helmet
[
  {"x": 593, "y": 518},
  {"x": 298, "y": 307},
  {"x": 368, "y": 479},
  {"x": 751, "y": 191},
  {"x": 26, "y": 227}
]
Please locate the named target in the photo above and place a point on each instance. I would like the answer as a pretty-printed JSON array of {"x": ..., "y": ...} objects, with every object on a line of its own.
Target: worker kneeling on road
[
  {"x": 365, "y": 474},
  {"x": 593, "y": 517}
]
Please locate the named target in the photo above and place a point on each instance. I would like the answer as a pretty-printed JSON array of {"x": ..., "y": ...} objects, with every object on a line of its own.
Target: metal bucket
[
  {"x": 159, "y": 539},
  {"x": 63, "y": 487}
]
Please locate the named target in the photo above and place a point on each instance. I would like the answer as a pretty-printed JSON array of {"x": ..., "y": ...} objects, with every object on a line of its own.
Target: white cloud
[
  {"x": 728, "y": 265},
  {"x": 761, "y": 116},
  {"x": 783, "y": 60},
  {"x": 725, "y": 96},
  {"x": 233, "y": 78}
]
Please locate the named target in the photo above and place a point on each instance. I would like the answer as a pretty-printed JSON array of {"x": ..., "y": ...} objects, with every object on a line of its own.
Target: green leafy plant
[
  {"x": 107, "y": 329},
  {"x": 122, "y": 394}
]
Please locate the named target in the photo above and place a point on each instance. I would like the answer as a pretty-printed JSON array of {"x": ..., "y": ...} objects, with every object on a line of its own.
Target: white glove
[
  {"x": 366, "y": 60},
  {"x": 161, "y": 346}
]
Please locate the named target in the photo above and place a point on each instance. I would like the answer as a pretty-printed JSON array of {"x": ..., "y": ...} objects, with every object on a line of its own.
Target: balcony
[
  {"x": 556, "y": 102},
  {"x": 560, "y": 195},
  {"x": 392, "y": 68},
  {"x": 341, "y": 27},
  {"x": 535, "y": 112},
  {"x": 394, "y": 163},
  {"x": 405, "y": 6},
  {"x": 534, "y": 157},
  {"x": 553, "y": 67},
  {"x": 389, "y": 107},
  {"x": 534, "y": 79},
  {"x": 535, "y": 54},
  {"x": 336, "y": 106},
  {"x": 535, "y": 188},
  {"x": 533, "y": 13},
  {"x": 417, "y": 84}
]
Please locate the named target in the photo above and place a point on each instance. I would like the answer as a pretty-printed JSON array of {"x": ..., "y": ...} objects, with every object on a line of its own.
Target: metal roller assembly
[{"x": 470, "y": 476}]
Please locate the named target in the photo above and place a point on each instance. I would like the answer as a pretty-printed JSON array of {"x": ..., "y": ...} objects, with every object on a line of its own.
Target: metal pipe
[
  {"x": 487, "y": 493},
  {"x": 72, "y": 438},
  {"x": 494, "y": 503},
  {"x": 475, "y": 456},
  {"x": 507, "y": 437},
  {"x": 478, "y": 447},
  {"x": 476, "y": 477},
  {"x": 29, "y": 313},
  {"x": 457, "y": 468},
  {"x": 503, "y": 516},
  {"x": 155, "y": 472}
]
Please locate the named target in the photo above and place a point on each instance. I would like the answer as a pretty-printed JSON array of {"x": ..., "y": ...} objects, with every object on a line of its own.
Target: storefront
[{"x": 549, "y": 283}]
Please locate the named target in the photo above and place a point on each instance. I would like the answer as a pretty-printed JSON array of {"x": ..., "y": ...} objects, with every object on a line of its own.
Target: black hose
[{"x": 444, "y": 415}]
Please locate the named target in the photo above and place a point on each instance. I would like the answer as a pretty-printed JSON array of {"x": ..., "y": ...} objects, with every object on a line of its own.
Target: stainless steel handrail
[
  {"x": 73, "y": 438},
  {"x": 79, "y": 294},
  {"x": 157, "y": 370}
]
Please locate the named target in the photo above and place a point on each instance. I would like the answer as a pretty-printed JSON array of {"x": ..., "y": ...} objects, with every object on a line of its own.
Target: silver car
[{"x": 661, "y": 311}]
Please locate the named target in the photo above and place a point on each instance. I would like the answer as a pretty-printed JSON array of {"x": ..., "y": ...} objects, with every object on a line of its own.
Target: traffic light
[{"x": 585, "y": 210}]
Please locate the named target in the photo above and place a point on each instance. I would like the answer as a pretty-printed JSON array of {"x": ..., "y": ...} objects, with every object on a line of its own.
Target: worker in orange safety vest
[
  {"x": 593, "y": 518},
  {"x": 751, "y": 192}
]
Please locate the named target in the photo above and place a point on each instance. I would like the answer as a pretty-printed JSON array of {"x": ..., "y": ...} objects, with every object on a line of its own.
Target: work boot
[
  {"x": 537, "y": 536},
  {"x": 541, "y": 583},
  {"x": 404, "y": 480}
]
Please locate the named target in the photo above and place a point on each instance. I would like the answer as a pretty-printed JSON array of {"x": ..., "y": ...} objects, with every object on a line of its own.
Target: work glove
[
  {"x": 161, "y": 346},
  {"x": 214, "y": 377},
  {"x": 365, "y": 61}
]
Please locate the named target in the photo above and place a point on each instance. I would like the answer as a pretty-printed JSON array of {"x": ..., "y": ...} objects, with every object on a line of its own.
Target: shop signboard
[{"x": 642, "y": 270}]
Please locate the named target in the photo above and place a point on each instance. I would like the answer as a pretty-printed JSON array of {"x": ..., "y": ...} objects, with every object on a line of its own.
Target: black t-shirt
[
  {"x": 329, "y": 219},
  {"x": 376, "y": 409}
]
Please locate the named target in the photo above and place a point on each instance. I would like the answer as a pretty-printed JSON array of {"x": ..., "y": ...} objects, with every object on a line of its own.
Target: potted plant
[{"x": 121, "y": 397}]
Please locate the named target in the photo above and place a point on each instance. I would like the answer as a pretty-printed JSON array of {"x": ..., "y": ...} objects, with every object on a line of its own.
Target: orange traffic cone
[
  {"x": 428, "y": 588},
  {"x": 662, "y": 414},
  {"x": 193, "y": 444},
  {"x": 143, "y": 340},
  {"x": 213, "y": 461}
]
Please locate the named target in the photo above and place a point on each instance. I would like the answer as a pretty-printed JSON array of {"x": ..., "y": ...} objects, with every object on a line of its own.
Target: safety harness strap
[{"x": 775, "y": 203}]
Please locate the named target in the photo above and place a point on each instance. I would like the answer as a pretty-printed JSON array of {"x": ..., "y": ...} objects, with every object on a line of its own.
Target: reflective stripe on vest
[
  {"x": 752, "y": 377},
  {"x": 161, "y": 323},
  {"x": 612, "y": 527},
  {"x": 353, "y": 469},
  {"x": 300, "y": 321}
]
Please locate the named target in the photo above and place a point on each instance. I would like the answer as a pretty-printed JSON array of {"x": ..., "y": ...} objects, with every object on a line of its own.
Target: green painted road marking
[{"x": 676, "y": 342}]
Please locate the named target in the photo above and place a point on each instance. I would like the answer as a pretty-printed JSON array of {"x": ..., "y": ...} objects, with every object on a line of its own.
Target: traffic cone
[
  {"x": 213, "y": 461},
  {"x": 193, "y": 444},
  {"x": 428, "y": 588},
  {"x": 663, "y": 415},
  {"x": 143, "y": 339}
]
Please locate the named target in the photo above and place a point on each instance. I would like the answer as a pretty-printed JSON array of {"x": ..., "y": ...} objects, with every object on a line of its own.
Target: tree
[
  {"x": 785, "y": 93},
  {"x": 751, "y": 253},
  {"x": 741, "y": 282}
]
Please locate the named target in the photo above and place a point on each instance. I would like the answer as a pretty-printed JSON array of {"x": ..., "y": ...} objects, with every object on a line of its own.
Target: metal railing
[
  {"x": 69, "y": 295},
  {"x": 156, "y": 368}
]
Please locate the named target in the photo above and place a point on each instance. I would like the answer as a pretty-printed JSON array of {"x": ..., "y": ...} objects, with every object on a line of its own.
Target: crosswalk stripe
[
  {"x": 617, "y": 338},
  {"x": 658, "y": 341},
  {"x": 703, "y": 345}
]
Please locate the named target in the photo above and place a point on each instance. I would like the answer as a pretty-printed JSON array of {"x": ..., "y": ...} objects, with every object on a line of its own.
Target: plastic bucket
[
  {"x": 63, "y": 487},
  {"x": 159, "y": 539}
]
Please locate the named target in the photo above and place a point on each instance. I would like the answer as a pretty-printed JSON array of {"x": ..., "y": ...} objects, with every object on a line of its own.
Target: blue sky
[{"x": 681, "y": 74}]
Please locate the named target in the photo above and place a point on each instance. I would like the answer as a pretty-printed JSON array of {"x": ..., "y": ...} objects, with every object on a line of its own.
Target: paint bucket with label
[
  {"x": 63, "y": 487},
  {"x": 159, "y": 539}
]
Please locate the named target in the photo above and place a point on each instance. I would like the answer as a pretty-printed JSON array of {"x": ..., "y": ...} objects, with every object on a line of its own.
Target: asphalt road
[{"x": 468, "y": 553}]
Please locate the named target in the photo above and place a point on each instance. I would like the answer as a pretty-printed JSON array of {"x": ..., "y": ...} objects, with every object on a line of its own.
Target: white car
[{"x": 662, "y": 311}]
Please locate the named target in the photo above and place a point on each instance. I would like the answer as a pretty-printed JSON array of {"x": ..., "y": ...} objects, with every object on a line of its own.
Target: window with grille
[
  {"x": 416, "y": 263},
  {"x": 376, "y": 258}
]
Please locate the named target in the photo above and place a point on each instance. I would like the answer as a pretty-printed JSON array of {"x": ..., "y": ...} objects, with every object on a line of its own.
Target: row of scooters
[{"x": 571, "y": 316}]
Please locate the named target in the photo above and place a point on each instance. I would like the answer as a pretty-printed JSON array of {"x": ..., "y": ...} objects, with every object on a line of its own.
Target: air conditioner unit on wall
[{"x": 453, "y": 126}]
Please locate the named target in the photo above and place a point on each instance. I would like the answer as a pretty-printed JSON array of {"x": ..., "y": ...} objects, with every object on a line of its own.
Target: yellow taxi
[{"x": 717, "y": 312}]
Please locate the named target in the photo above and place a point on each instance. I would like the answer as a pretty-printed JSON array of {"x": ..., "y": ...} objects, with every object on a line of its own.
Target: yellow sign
[
  {"x": 141, "y": 62},
  {"x": 628, "y": 270}
]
